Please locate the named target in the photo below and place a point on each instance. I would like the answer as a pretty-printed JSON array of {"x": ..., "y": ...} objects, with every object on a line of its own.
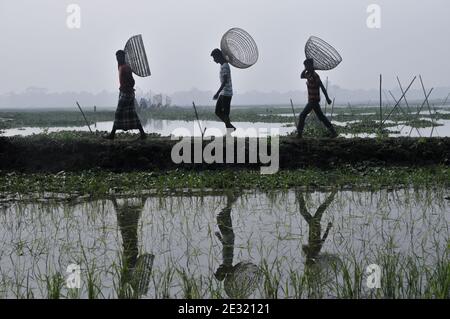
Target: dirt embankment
[{"x": 46, "y": 154}]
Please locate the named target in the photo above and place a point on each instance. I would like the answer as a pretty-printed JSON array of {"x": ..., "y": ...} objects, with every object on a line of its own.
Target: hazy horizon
[
  {"x": 41, "y": 98},
  {"x": 41, "y": 51}
]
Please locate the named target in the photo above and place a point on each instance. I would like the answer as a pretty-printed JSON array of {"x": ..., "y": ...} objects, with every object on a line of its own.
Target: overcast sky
[{"x": 38, "y": 49}]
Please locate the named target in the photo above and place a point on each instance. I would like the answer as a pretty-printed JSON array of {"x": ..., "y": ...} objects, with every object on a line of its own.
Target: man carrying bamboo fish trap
[
  {"x": 319, "y": 56},
  {"x": 237, "y": 48},
  {"x": 131, "y": 60}
]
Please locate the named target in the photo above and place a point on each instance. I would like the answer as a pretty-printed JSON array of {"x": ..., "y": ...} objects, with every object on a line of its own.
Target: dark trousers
[
  {"x": 313, "y": 106},
  {"x": 223, "y": 109}
]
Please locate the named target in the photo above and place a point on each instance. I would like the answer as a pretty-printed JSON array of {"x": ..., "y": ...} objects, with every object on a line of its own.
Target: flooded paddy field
[
  {"x": 350, "y": 122},
  {"x": 296, "y": 243},
  {"x": 133, "y": 224}
]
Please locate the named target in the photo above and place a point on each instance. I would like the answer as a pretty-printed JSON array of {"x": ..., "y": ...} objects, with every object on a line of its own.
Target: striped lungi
[{"x": 126, "y": 117}]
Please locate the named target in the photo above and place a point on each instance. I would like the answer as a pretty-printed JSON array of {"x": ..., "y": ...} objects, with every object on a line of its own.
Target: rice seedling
[{"x": 404, "y": 231}]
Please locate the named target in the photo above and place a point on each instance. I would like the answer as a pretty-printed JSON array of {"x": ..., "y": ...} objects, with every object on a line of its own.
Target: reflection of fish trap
[
  {"x": 324, "y": 55},
  {"x": 243, "y": 280},
  {"x": 142, "y": 273},
  {"x": 239, "y": 48}
]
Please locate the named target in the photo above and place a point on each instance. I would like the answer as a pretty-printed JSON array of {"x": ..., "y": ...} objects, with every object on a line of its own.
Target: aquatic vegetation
[
  {"x": 65, "y": 186},
  {"x": 309, "y": 232},
  {"x": 349, "y": 119},
  {"x": 404, "y": 231},
  {"x": 48, "y": 118}
]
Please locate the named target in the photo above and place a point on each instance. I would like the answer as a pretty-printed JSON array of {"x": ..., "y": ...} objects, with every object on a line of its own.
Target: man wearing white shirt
[{"x": 225, "y": 92}]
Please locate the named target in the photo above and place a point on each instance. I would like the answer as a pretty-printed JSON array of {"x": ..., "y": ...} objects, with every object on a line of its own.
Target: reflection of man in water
[
  {"x": 226, "y": 237},
  {"x": 315, "y": 240},
  {"x": 135, "y": 272},
  {"x": 242, "y": 279}
]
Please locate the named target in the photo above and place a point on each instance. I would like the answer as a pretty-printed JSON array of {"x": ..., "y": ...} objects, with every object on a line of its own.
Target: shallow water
[
  {"x": 42, "y": 239},
  {"x": 175, "y": 128},
  {"x": 437, "y": 131},
  {"x": 244, "y": 129}
]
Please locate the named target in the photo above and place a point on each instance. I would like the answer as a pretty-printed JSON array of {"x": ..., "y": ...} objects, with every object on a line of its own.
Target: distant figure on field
[
  {"x": 314, "y": 85},
  {"x": 126, "y": 117},
  {"x": 225, "y": 92}
]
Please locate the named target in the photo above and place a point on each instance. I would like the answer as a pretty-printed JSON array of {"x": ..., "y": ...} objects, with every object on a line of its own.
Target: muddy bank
[{"x": 49, "y": 154}]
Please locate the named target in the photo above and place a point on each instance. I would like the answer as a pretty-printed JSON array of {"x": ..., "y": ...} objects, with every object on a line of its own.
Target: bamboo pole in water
[
  {"x": 401, "y": 98},
  {"x": 332, "y": 109},
  {"x": 293, "y": 112},
  {"x": 198, "y": 120},
  {"x": 85, "y": 118},
  {"x": 429, "y": 108},
  {"x": 420, "y": 109},
  {"x": 381, "y": 101}
]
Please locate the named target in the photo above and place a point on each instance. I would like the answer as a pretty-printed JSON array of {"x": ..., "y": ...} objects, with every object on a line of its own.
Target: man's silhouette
[
  {"x": 126, "y": 117},
  {"x": 314, "y": 85},
  {"x": 225, "y": 92}
]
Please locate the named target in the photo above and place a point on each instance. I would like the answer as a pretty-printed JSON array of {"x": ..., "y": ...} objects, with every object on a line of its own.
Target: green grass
[
  {"x": 102, "y": 184},
  {"x": 15, "y": 119}
]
